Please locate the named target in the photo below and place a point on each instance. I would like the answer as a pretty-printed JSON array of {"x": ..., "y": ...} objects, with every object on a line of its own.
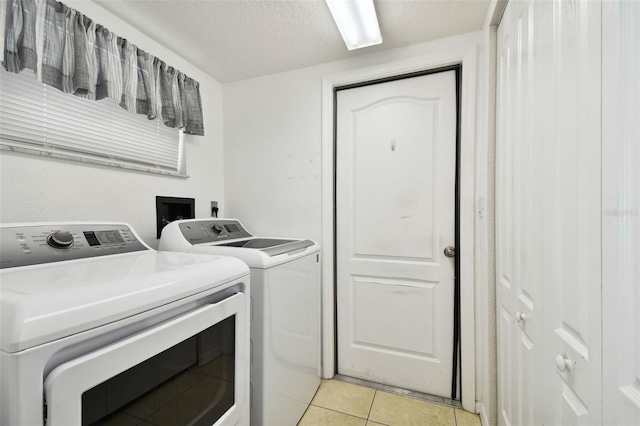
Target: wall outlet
[{"x": 214, "y": 209}]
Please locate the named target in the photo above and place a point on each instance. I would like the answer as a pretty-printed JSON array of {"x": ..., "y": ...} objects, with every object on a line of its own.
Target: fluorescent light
[{"x": 357, "y": 22}]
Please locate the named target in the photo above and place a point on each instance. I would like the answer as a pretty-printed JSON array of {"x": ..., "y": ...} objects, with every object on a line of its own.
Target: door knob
[
  {"x": 564, "y": 364},
  {"x": 449, "y": 251},
  {"x": 520, "y": 317}
]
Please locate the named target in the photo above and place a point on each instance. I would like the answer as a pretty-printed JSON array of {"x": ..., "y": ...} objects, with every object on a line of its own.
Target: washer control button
[{"x": 60, "y": 239}]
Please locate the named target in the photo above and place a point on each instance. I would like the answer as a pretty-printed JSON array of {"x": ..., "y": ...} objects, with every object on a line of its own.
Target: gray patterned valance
[{"x": 72, "y": 53}]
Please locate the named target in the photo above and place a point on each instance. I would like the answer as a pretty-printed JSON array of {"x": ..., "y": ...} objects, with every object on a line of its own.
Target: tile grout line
[
  {"x": 305, "y": 413},
  {"x": 335, "y": 410},
  {"x": 340, "y": 412},
  {"x": 310, "y": 403},
  {"x": 375, "y": 392}
]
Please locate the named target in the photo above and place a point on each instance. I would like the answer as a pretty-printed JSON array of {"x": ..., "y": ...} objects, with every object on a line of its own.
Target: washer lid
[
  {"x": 43, "y": 303},
  {"x": 271, "y": 246},
  {"x": 262, "y": 258}
]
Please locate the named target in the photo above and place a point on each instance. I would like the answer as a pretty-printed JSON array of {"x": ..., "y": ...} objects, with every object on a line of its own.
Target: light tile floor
[{"x": 340, "y": 403}]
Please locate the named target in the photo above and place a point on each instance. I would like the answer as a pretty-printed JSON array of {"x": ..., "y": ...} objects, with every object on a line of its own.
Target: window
[{"x": 38, "y": 119}]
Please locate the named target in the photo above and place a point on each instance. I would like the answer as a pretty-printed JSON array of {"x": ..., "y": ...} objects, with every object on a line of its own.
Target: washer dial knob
[
  {"x": 216, "y": 228},
  {"x": 60, "y": 239}
]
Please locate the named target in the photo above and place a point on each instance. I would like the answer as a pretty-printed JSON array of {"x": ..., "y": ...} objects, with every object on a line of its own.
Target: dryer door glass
[
  {"x": 190, "y": 370},
  {"x": 189, "y": 383}
]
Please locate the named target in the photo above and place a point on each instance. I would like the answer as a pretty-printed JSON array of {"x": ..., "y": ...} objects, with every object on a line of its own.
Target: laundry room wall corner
[{"x": 35, "y": 188}]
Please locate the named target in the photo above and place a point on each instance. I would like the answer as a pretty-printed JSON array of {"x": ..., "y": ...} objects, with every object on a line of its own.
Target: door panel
[
  {"x": 548, "y": 208},
  {"x": 519, "y": 224},
  {"x": 395, "y": 178},
  {"x": 573, "y": 301},
  {"x": 396, "y": 330},
  {"x": 386, "y": 174},
  {"x": 621, "y": 212},
  {"x": 504, "y": 229}
]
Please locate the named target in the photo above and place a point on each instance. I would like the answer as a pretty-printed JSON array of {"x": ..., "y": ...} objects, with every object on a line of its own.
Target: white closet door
[
  {"x": 572, "y": 297},
  {"x": 521, "y": 182},
  {"x": 621, "y": 212},
  {"x": 548, "y": 213}
]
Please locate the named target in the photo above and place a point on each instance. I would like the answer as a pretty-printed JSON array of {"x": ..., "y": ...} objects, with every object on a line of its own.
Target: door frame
[{"x": 465, "y": 56}]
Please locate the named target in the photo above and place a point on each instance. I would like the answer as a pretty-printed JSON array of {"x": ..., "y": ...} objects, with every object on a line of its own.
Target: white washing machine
[
  {"x": 285, "y": 324},
  {"x": 95, "y": 325}
]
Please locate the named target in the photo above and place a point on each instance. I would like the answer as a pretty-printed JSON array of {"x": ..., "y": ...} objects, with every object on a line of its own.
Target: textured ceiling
[{"x": 237, "y": 39}]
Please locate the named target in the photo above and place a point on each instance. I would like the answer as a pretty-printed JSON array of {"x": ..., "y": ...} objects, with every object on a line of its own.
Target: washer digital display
[
  {"x": 231, "y": 228},
  {"x": 91, "y": 238},
  {"x": 103, "y": 237}
]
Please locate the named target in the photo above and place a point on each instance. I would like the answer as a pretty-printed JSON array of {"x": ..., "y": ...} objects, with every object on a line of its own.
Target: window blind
[{"x": 39, "y": 119}]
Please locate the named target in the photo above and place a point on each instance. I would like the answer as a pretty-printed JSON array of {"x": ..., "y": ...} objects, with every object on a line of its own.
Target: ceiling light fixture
[{"x": 357, "y": 22}]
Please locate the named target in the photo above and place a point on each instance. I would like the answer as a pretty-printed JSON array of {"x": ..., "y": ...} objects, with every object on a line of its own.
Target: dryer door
[{"x": 190, "y": 370}]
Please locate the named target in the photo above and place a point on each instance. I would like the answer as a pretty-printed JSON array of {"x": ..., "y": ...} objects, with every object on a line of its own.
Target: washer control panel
[
  {"x": 212, "y": 230},
  {"x": 22, "y": 245}
]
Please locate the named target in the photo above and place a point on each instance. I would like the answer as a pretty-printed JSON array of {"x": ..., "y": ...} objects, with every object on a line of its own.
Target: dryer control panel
[
  {"x": 22, "y": 245},
  {"x": 212, "y": 230}
]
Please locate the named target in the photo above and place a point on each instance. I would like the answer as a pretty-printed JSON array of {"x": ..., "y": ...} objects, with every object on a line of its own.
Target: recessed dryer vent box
[{"x": 169, "y": 209}]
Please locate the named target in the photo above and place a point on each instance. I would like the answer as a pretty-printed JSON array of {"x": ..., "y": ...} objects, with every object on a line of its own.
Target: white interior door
[
  {"x": 621, "y": 212},
  {"x": 395, "y": 199}
]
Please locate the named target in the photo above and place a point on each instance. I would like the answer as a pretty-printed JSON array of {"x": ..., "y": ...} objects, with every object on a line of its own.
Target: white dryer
[
  {"x": 285, "y": 324},
  {"x": 95, "y": 325}
]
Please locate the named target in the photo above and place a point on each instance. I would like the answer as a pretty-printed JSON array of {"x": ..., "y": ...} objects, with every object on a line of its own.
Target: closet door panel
[
  {"x": 505, "y": 115},
  {"x": 518, "y": 197},
  {"x": 621, "y": 212},
  {"x": 573, "y": 296},
  {"x": 548, "y": 213},
  {"x": 527, "y": 221},
  {"x": 507, "y": 368}
]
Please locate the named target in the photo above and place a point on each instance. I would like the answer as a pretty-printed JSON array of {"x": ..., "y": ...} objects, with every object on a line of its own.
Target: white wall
[
  {"x": 273, "y": 144},
  {"x": 42, "y": 189},
  {"x": 272, "y": 153},
  {"x": 273, "y": 167}
]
